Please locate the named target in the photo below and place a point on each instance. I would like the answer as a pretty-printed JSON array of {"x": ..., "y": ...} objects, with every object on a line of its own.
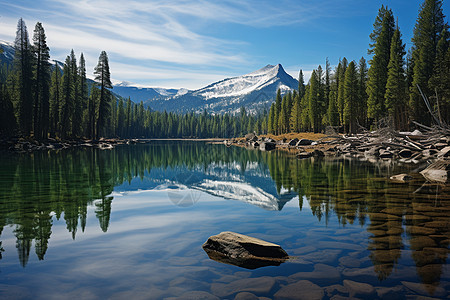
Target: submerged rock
[
  {"x": 401, "y": 178},
  {"x": 243, "y": 251},
  {"x": 267, "y": 146}
]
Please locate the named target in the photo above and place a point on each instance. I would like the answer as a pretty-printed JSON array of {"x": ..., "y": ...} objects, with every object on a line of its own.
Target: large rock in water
[
  {"x": 267, "y": 146},
  {"x": 243, "y": 251}
]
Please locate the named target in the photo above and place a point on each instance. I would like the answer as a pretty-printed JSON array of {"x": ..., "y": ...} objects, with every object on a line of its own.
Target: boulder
[
  {"x": 251, "y": 137},
  {"x": 405, "y": 153},
  {"x": 304, "y": 142},
  {"x": 303, "y": 155},
  {"x": 267, "y": 146},
  {"x": 243, "y": 251},
  {"x": 293, "y": 142},
  {"x": 401, "y": 178}
]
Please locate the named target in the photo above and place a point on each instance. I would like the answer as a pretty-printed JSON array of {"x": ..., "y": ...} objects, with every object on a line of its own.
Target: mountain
[
  {"x": 8, "y": 52},
  {"x": 254, "y": 91},
  {"x": 139, "y": 93},
  {"x": 227, "y": 181}
]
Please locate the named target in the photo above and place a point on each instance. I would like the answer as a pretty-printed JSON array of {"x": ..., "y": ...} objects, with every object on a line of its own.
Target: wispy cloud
[{"x": 154, "y": 37}]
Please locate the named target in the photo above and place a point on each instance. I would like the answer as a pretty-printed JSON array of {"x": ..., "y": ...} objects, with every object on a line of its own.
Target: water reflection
[{"x": 400, "y": 218}]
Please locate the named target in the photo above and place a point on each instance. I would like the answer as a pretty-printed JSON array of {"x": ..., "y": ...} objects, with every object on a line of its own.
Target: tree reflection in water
[{"x": 37, "y": 188}]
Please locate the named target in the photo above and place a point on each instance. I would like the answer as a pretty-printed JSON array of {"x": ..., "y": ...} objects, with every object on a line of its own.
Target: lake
[{"x": 130, "y": 223}]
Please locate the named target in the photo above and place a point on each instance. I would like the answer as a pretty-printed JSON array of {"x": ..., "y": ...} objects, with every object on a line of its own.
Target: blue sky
[{"x": 182, "y": 43}]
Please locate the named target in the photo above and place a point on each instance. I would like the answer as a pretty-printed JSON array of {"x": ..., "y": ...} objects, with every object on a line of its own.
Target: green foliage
[
  {"x": 427, "y": 33},
  {"x": 351, "y": 97},
  {"x": 395, "y": 97},
  {"x": 381, "y": 37}
]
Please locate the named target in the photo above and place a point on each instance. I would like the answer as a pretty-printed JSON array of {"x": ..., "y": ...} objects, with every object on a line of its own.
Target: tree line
[
  {"x": 41, "y": 100},
  {"x": 389, "y": 92}
]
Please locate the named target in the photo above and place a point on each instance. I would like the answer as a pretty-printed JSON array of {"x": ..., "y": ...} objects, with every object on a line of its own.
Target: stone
[
  {"x": 391, "y": 293},
  {"x": 335, "y": 289},
  {"x": 318, "y": 153},
  {"x": 425, "y": 289},
  {"x": 302, "y": 289},
  {"x": 293, "y": 142},
  {"x": 303, "y": 155},
  {"x": 359, "y": 289},
  {"x": 196, "y": 295},
  {"x": 386, "y": 154},
  {"x": 261, "y": 285},
  {"x": 405, "y": 153},
  {"x": 322, "y": 273},
  {"x": 401, "y": 178},
  {"x": 267, "y": 146},
  {"x": 251, "y": 137},
  {"x": 245, "y": 296},
  {"x": 243, "y": 251},
  {"x": 304, "y": 142}
]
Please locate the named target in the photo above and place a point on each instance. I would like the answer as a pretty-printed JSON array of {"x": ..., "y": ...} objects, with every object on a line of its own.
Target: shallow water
[{"x": 130, "y": 222}]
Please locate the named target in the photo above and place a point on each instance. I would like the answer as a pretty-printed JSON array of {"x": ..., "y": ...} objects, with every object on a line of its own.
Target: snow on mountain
[
  {"x": 254, "y": 91},
  {"x": 8, "y": 51}
]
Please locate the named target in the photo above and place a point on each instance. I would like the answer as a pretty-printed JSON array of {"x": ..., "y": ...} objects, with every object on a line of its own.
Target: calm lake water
[{"x": 129, "y": 223}]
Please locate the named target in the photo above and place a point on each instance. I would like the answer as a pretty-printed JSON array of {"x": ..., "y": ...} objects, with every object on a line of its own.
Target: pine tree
[
  {"x": 294, "y": 120},
  {"x": 301, "y": 84},
  {"x": 351, "y": 97},
  {"x": 55, "y": 100},
  {"x": 362, "y": 91},
  {"x": 395, "y": 97},
  {"x": 384, "y": 27},
  {"x": 103, "y": 81},
  {"x": 342, "y": 67},
  {"x": 314, "y": 101},
  {"x": 439, "y": 82},
  {"x": 83, "y": 94},
  {"x": 42, "y": 80},
  {"x": 66, "y": 104},
  {"x": 271, "y": 119},
  {"x": 22, "y": 74},
  {"x": 278, "y": 101},
  {"x": 429, "y": 26},
  {"x": 77, "y": 113}
]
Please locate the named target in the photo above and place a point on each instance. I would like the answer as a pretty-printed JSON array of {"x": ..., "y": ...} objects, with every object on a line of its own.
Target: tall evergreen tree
[
  {"x": 362, "y": 91},
  {"x": 429, "y": 26},
  {"x": 22, "y": 74},
  {"x": 83, "y": 92},
  {"x": 342, "y": 67},
  {"x": 66, "y": 104},
  {"x": 103, "y": 81},
  {"x": 42, "y": 78},
  {"x": 395, "y": 97},
  {"x": 351, "y": 97},
  {"x": 314, "y": 101},
  {"x": 301, "y": 84},
  {"x": 384, "y": 27},
  {"x": 55, "y": 100}
]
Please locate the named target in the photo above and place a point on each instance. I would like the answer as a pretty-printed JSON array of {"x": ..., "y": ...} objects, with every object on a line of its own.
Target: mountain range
[{"x": 254, "y": 91}]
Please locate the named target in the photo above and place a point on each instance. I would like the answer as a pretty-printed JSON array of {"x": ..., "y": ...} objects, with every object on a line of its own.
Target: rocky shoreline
[
  {"x": 22, "y": 145},
  {"x": 384, "y": 144}
]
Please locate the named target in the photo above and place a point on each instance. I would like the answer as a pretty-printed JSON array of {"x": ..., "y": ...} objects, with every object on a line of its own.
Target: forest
[{"x": 40, "y": 100}]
